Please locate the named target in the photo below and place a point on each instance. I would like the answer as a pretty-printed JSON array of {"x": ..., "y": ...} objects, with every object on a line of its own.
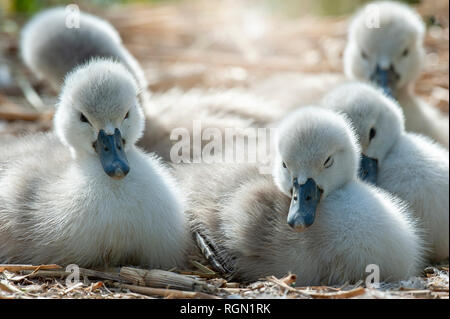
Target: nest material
[{"x": 52, "y": 281}]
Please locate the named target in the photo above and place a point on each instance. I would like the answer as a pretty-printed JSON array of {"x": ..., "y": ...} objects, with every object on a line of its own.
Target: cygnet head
[
  {"x": 385, "y": 45},
  {"x": 317, "y": 153},
  {"x": 56, "y": 40},
  {"x": 98, "y": 114},
  {"x": 377, "y": 119}
]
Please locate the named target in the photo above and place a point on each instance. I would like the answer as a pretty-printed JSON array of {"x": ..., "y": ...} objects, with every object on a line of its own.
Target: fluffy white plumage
[
  {"x": 213, "y": 109},
  {"x": 293, "y": 90},
  {"x": 51, "y": 50},
  {"x": 410, "y": 165},
  {"x": 243, "y": 213},
  {"x": 397, "y": 45},
  {"x": 57, "y": 204}
]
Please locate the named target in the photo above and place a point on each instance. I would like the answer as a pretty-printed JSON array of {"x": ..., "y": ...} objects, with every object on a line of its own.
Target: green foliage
[
  {"x": 290, "y": 7},
  {"x": 28, "y": 7}
]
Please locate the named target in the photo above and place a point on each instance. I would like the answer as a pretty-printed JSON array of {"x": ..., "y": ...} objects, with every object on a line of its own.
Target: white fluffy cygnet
[
  {"x": 313, "y": 217},
  {"x": 51, "y": 50},
  {"x": 385, "y": 46},
  {"x": 85, "y": 194},
  {"x": 52, "y": 44},
  {"x": 409, "y": 165}
]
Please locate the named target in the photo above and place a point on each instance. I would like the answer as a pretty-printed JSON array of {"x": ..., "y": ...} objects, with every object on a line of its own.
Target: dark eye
[
  {"x": 364, "y": 55},
  {"x": 127, "y": 115},
  {"x": 83, "y": 118},
  {"x": 372, "y": 133},
  {"x": 405, "y": 53},
  {"x": 284, "y": 165},
  {"x": 328, "y": 162}
]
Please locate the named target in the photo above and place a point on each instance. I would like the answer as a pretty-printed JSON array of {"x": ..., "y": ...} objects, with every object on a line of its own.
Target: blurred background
[{"x": 217, "y": 44}]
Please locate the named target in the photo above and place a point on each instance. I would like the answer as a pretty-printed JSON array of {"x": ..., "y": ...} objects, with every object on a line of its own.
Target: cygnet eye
[
  {"x": 364, "y": 55},
  {"x": 372, "y": 133},
  {"x": 84, "y": 119},
  {"x": 405, "y": 52},
  {"x": 328, "y": 162},
  {"x": 284, "y": 165},
  {"x": 127, "y": 115}
]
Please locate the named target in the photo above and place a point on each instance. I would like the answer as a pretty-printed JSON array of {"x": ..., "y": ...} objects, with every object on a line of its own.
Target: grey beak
[
  {"x": 368, "y": 169},
  {"x": 305, "y": 199},
  {"x": 385, "y": 78},
  {"x": 112, "y": 156}
]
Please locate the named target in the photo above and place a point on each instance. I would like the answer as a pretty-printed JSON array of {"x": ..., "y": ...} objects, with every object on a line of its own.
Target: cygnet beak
[
  {"x": 112, "y": 156},
  {"x": 385, "y": 78},
  {"x": 368, "y": 169},
  {"x": 305, "y": 199}
]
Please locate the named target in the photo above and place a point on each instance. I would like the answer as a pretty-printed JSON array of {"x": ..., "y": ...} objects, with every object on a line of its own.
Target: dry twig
[{"x": 168, "y": 293}]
